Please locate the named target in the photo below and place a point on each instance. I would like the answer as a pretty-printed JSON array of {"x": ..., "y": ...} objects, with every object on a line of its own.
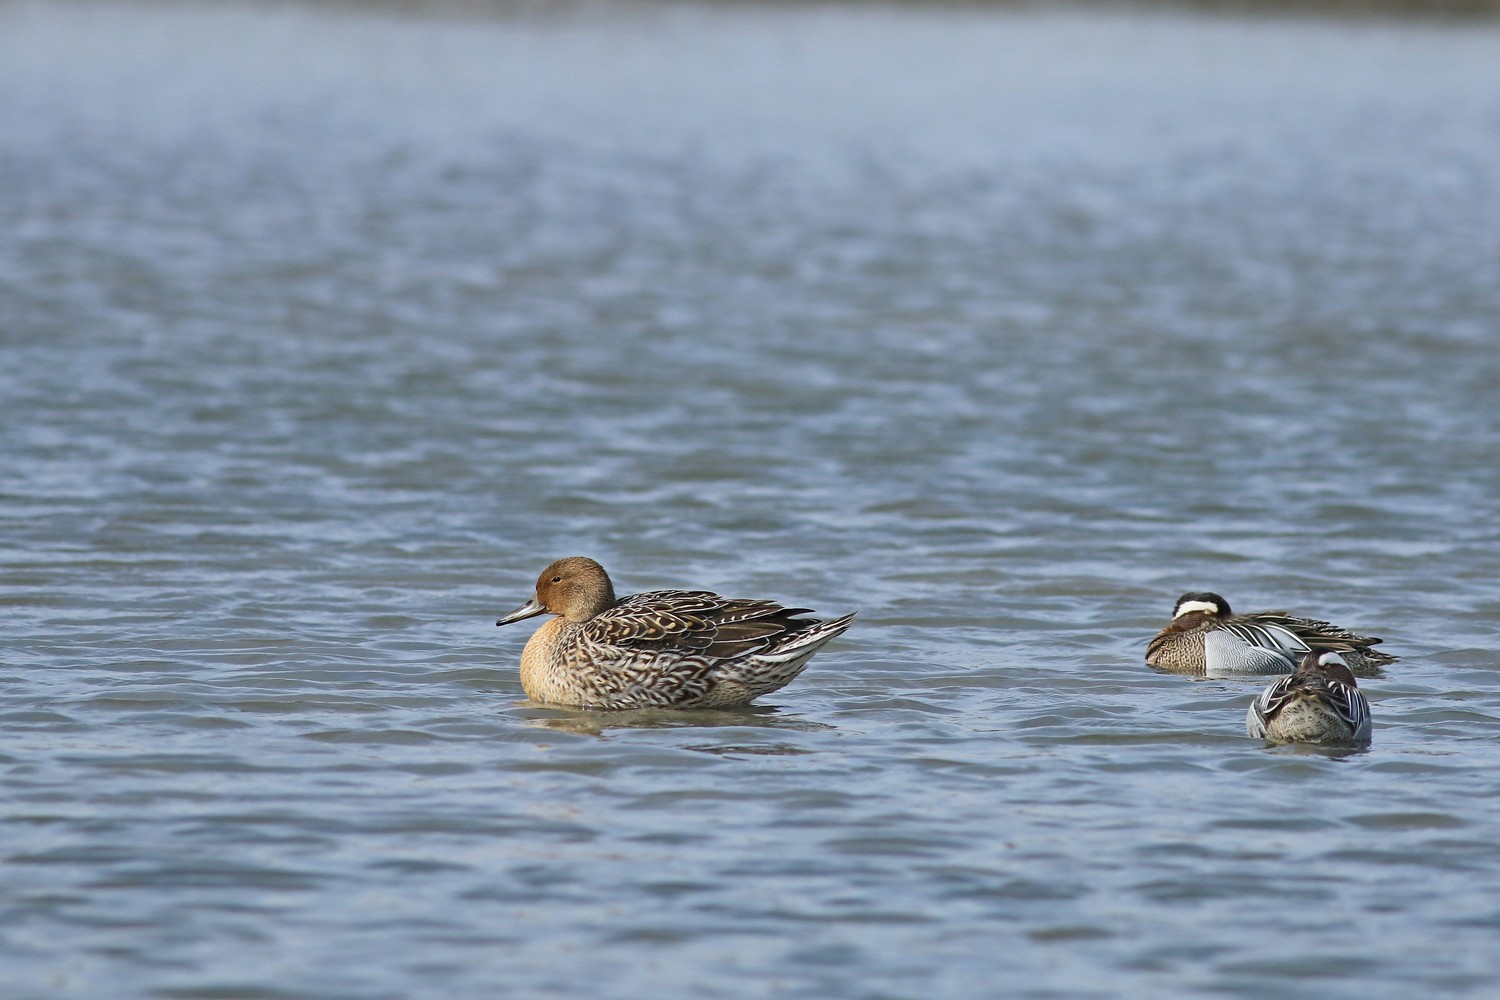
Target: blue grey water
[{"x": 325, "y": 328}]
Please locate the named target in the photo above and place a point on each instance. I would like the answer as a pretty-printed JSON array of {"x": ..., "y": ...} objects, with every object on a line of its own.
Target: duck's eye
[{"x": 557, "y": 579}]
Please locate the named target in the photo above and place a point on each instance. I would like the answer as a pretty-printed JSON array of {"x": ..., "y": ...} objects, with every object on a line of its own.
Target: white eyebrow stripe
[{"x": 1190, "y": 606}]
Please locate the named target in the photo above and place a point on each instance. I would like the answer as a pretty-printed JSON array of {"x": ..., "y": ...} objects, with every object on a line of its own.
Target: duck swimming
[
  {"x": 660, "y": 649},
  {"x": 1206, "y": 637},
  {"x": 1318, "y": 703}
]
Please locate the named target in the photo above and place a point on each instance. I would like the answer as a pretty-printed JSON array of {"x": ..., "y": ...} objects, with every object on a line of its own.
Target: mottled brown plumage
[{"x": 664, "y": 648}]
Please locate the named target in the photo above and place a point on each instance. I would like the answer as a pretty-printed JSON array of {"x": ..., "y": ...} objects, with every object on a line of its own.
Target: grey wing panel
[{"x": 1225, "y": 652}]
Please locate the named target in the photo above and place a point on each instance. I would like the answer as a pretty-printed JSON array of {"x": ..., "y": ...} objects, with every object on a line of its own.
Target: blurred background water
[{"x": 325, "y": 328}]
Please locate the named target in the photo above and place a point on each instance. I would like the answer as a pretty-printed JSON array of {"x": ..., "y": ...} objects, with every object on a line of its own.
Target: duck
[
  {"x": 659, "y": 649},
  {"x": 1206, "y": 637},
  {"x": 1319, "y": 703}
]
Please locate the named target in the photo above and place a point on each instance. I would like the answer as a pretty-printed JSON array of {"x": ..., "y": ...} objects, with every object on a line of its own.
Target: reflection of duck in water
[
  {"x": 1318, "y": 703},
  {"x": 1206, "y": 637},
  {"x": 661, "y": 649}
]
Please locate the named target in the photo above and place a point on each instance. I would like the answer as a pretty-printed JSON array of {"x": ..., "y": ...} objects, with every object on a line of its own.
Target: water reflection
[{"x": 593, "y": 723}]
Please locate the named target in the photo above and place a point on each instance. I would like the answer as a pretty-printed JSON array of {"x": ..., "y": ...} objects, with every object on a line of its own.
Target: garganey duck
[
  {"x": 1318, "y": 703},
  {"x": 1206, "y": 637}
]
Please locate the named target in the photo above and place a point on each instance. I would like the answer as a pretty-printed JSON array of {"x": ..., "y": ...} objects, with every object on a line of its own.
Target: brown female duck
[{"x": 661, "y": 649}]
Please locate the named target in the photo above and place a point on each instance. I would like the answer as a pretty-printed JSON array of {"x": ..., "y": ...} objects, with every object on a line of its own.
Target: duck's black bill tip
[{"x": 530, "y": 609}]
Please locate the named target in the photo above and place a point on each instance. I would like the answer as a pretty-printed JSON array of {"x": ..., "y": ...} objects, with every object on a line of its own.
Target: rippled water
[{"x": 324, "y": 329}]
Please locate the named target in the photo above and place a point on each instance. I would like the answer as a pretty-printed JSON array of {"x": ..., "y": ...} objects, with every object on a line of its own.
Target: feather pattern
[
  {"x": 660, "y": 649},
  {"x": 1319, "y": 702},
  {"x": 1206, "y": 637}
]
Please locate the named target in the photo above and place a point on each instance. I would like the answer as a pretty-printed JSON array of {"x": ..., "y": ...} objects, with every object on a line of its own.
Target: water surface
[{"x": 325, "y": 329}]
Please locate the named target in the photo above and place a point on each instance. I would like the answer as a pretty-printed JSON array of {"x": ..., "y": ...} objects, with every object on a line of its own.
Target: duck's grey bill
[{"x": 530, "y": 609}]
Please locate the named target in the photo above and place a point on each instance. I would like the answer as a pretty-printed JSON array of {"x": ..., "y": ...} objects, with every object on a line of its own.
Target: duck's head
[
  {"x": 1328, "y": 664},
  {"x": 1201, "y": 601},
  {"x": 576, "y": 588}
]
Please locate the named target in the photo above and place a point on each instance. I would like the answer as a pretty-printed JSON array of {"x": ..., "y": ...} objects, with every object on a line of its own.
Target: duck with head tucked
[
  {"x": 1206, "y": 637},
  {"x": 660, "y": 649},
  {"x": 1318, "y": 703}
]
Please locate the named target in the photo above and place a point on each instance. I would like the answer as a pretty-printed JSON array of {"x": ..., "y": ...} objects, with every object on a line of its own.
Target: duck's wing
[
  {"x": 1265, "y": 706},
  {"x": 1351, "y": 706},
  {"x": 696, "y": 623},
  {"x": 1273, "y": 630},
  {"x": 658, "y": 620},
  {"x": 1310, "y": 632}
]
